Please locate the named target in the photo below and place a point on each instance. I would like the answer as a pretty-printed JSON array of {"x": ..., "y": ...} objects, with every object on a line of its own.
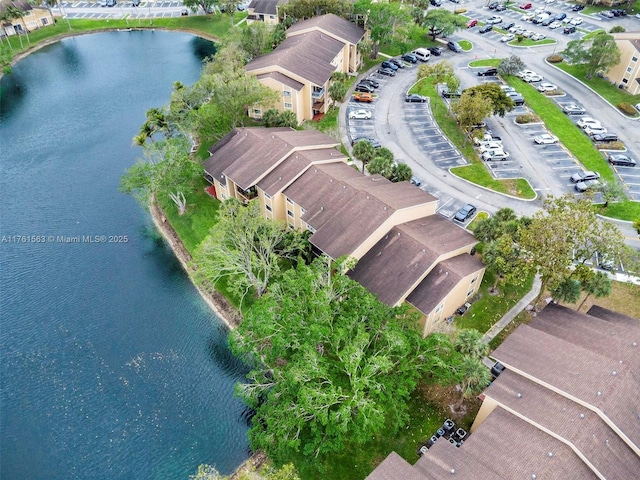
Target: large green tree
[
  {"x": 440, "y": 21},
  {"x": 494, "y": 96},
  {"x": 206, "y": 5},
  {"x": 330, "y": 363},
  {"x": 599, "y": 285},
  {"x": 470, "y": 110},
  {"x": 386, "y": 22},
  {"x": 599, "y": 53},
  {"x": 440, "y": 72},
  {"x": 364, "y": 152},
  {"x": 302, "y": 9},
  {"x": 474, "y": 376},
  {"x": 504, "y": 258},
  {"x": 510, "y": 66}
]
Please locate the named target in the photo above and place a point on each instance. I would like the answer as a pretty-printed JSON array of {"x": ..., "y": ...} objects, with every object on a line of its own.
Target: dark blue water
[{"x": 112, "y": 366}]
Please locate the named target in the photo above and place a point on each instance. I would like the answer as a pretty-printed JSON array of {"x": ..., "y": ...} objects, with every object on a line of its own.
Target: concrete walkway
[{"x": 511, "y": 314}]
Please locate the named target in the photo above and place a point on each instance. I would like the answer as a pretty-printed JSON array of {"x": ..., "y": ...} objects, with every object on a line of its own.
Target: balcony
[{"x": 317, "y": 93}]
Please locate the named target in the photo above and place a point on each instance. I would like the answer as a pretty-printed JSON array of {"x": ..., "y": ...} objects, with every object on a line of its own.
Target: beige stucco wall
[
  {"x": 294, "y": 97},
  {"x": 266, "y": 18},
  {"x": 31, "y": 20},
  {"x": 488, "y": 405},
  {"x": 628, "y": 52}
]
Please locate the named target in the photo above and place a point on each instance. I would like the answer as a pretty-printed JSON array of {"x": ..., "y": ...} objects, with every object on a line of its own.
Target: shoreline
[{"x": 218, "y": 303}]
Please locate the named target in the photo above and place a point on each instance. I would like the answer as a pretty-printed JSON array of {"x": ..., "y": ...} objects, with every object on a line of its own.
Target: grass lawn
[
  {"x": 476, "y": 172},
  {"x": 598, "y": 8},
  {"x": 487, "y": 62},
  {"x": 561, "y": 126},
  {"x": 626, "y": 210},
  {"x": 329, "y": 123},
  {"x": 465, "y": 45},
  {"x": 610, "y": 92},
  {"x": 490, "y": 308},
  {"x": 418, "y": 37},
  {"x": 527, "y": 42},
  {"x": 201, "y": 215}
]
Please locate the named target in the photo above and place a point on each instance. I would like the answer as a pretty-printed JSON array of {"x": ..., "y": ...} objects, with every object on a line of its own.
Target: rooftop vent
[
  {"x": 598, "y": 393},
  {"x": 533, "y": 476},
  {"x": 634, "y": 344},
  {"x": 581, "y": 415},
  {"x": 614, "y": 373},
  {"x": 550, "y": 454},
  {"x": 452, "y": 471},
  {"x": 518, "y": 395}
]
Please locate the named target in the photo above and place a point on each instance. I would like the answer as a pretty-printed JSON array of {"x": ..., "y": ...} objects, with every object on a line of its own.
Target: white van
[{"x": 422, "y": 53}]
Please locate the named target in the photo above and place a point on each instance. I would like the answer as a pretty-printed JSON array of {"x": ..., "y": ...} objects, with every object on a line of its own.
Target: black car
[
  {"x": 111, "y": 3},
  {"x": 388, "y": 64},
  {"x": 448, "y": 94},
  {"x": 493, "y": 5},
  {"x": 135, "y": 3},
  {"x": 604, "y": 137},
  {"x": 569, "y": 29},
  {"x": 364, "y": 87},
  {"x": 465, "y": 213},
  {"x": 577, "y": 8},
  {"x": 435, "y": 3},
  {"x": 509, "y": 25},
  {"x": 454, "y": 46},
  {"x": 548, "y": 21},
  {"x": 501, "y": 7},
  {"x": 370, "y": 81},
  {"x": 437, "y": 51},
  {"x": 517, "y": 99},
  {"x": 410, "y": 57},
  {"x": 488, "y": 72},
  {"x": 397, "y": 63},
  {"x": 387, "y": 71},
  {"x": 414, "y": 97},
  {"x": 485, "y": 28},
  {"x": 621, "y": 160},
  {"x": 374, "y": 143}
]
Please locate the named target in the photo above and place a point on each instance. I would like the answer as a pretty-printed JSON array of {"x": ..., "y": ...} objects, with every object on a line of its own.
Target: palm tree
[
  {"x": 599, "y": 285},
  {"x": 474, "y": 377},
  {"x": 14, "y": 13},
  {"x": 469, "y": 343},
  {"x": 568, "y": 291},
  {"x": 401, "y": 173},
  {"x": 9, "y": 14},
  {"x": 364, "y": 152}
]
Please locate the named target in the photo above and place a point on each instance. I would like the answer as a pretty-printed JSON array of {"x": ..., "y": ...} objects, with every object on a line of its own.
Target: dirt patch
[{"x": 444, "y": 397}]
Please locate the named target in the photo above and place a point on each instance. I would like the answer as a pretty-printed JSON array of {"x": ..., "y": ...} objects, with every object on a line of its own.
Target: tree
[
  {"x": 275, "y": 118},
  {"x": 474, "y": 376},
  {"x": 503, "y": 222},
  {"x": 495, "y": 96},
  {"x": 242, "y": 248},
  {"x": 287, "y": 472},
  {"x": 401, "y": 173},
  {"x": 443, "y": 22},
  {"x": 302, "y": 9},
  {"x": 440, "y": 72},
  {"x": 337, "y": 91},
  {"x": 468, "y": 342},
  {"x": 167, "y": 170},
  {"x": 599, "y": 53},
  {"x": 510, "y": 66},
  {"x": 381, "y": 166},
  {"x": 230, "y": 7},
  {"x": 11, "y": 12},
  {"x": 565, "y": 233},
  {"x": 206, "y": 5},
  {"x": 504, "y": 258},
  {"x": 385, "y": 21},
  {"x": 599, "y": 285},
  {"x": 567, "y": 291},
  {"x": 364, "y": 152},
  {"x": 330, "y": 363},
  {"x": 612, "y": 191},
  {"x": 470, "y": 110}
]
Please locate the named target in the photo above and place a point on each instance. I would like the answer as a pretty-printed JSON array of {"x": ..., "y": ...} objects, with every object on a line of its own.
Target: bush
[
  {"x": 617, "y": 29},
  {"x": 553, "y": 93},
  {"x": 555, "y": 58},
  {"x": 527, "y": 118},
  {"x": 610, "y": 146},
  {"x": 627, "y": 108}
]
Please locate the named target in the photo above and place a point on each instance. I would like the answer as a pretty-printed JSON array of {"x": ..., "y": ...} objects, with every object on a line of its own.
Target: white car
[
  {"x": 576, "y": 21},
  {"x": 507, "y": 38},
  {"x": 360, "y": 114},
  {"x": 527, "y": 17},
  {"x": 494, "y": 19},
  {"x": 495, "y": 155},
  {"x": 486, "y": 146},
  {"x": 588, "y": 122},
  {"x": 527, "y": 33},
  {"x": 532, "y": 78},
  {"x": 525, "y": 73},
  {"x": 595, "y": 130},
  {"x": 538, "y": 36},
  {"x": 545, "y": 139},
  {"x": 555, "y": 25},
  {"x": 538, "y": 11},
  {"x": 507, "y": 88},
  {"x": 547, "y": 87},
  {"x": 549, "y": 1}
]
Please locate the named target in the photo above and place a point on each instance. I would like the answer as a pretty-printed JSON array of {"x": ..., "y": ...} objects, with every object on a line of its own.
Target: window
[
  {"x": 290, "y": 213},
  {"x": 311, "y": 229},
  {"x": 287, "y": 105},
  {"x": 289, "y": 201},
  {"x": 303, "y": 210},
  {"x": 268, "y": 207},
  {"x": 286, "y": 93},
  {"x": 45, "y": 21},
  {"x": 634, "y": 59},
  {"x": 629, "y": 69},
  {"x": 266, "y": 195},
  {"x": 470, "y": 292},
  {"x": 625, "y": 80},
  {"x": 257, "y": 111},
  {"x": 474, "y": 280},
  {"x": 440, "y": 308}
]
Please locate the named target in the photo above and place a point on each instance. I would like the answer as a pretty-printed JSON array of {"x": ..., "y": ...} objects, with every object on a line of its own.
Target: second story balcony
[{"x": 318, "y": 92}]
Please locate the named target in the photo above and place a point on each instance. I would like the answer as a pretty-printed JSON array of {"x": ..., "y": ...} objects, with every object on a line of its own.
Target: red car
[
  {"x": 472, "y": 23},
  {"x": 526, "y": 6}
]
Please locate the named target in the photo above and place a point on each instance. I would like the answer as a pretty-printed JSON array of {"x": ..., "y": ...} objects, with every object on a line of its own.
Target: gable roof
[
  {"x": 307, "y": 56},
  {"x": 248, "y": 154},
  {"x": 403, "y": 257},
  {"x": 282, "y": 78},
  {"x": 331, "y": 24},
  {"x": 267, "y": 7}
]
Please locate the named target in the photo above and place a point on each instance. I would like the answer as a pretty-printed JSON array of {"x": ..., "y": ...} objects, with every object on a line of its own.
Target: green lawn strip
[
  {"x": 606, "y": 89},
  {"x": 476, "y": 172},
  {"x": 418, "y": 37},
  {"x": 487, "y": 62},
  {"x": 465, "y": 45},
  {"x": 216, "y": 26},
  {"x": 626, "y": 210},
  {"x": 562, "y": 127},
  {"x": 329, "y": 121},
  {"x": 490, "y": 308},
  {"x": 527, "y": 42}
]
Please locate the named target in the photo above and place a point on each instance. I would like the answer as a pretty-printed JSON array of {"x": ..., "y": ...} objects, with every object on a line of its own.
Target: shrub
[
  {"x": 617, "y": 29},
  {"x": 553, "y": 93},
  {"x": 527, "y": 118},
  {"x": 627, "y": 108},
  {"x": 610, "y": 146},
  {"x": 555, "y": 58}
]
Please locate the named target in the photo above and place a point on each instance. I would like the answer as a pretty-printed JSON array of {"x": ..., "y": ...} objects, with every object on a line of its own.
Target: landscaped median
[{"x": 476, "y": 172}]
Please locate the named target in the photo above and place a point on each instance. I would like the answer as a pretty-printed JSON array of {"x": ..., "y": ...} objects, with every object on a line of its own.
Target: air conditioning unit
[
  {"x": 452, "y": 441},
  {"x": 461, "y": 433},
  {"x": 449, "y": 425}
]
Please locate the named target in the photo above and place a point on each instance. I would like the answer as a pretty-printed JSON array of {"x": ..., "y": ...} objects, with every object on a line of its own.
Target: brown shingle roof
[
  {"x": 441, "y": 280},
  {"x": 405, "y": 255},
  {"x": 330, "y": 23},
  {"x": 611, "y": 316},
  {"x": 250, "y": 153},
  {"x": 307, "y": 56},
  {"x": 266, "y": 7},
  {"x": 394, "y": 467}
]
